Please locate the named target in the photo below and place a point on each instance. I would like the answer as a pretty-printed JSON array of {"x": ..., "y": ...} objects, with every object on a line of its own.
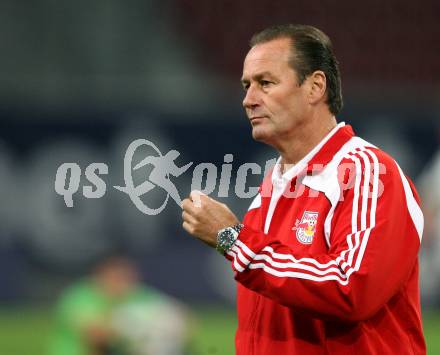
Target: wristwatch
[{"x": 226, "y": 238}]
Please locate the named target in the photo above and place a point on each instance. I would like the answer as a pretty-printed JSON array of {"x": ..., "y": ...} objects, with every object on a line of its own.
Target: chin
[{"x": 260, "y": 134}]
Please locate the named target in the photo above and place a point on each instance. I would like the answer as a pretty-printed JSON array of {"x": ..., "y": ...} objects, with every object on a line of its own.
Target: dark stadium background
[{"x": 80, "y": 80}]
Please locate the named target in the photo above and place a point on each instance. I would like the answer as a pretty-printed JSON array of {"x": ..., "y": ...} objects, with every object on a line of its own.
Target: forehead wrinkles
[
  {"x": 267, "y": 55},
  {"x": 271, "y": 55}
]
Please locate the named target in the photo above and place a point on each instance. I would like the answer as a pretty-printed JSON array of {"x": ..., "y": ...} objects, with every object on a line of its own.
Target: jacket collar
[
  {"x": 317, "y": 159},
  {"x": 320, "y": 160}
]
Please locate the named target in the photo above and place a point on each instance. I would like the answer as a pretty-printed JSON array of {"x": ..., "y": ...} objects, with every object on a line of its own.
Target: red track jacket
[{"x": 327, "y": 260}]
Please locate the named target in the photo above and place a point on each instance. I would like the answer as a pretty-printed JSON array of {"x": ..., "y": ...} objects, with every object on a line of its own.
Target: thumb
[{"x": 196, "y": 197}]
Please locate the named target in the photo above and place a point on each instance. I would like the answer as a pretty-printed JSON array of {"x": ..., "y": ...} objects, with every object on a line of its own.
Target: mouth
[{"x": 256, "y": 119}]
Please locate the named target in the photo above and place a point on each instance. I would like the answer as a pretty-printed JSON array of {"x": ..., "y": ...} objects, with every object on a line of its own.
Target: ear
[{"x": 318, "y": 86}]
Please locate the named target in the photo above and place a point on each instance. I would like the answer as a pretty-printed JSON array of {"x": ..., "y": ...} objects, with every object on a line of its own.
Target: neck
[{"x": 304, "y": 139}]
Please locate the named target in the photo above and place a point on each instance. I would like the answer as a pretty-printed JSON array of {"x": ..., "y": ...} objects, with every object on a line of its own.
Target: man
[
  {"x": 111, "y": 312},
  {"x": 326, "y": 257}
]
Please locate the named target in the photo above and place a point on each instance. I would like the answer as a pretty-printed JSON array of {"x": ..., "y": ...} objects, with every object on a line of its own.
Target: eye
[
  {"x": 265, "y": 83},
  {"x": 245, "y": 86}
]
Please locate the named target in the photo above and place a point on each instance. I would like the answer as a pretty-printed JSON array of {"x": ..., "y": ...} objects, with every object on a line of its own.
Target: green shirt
[{"x": 84, "y": 304}]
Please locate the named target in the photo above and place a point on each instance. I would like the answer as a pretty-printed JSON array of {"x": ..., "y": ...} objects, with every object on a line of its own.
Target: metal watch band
[{"x": 226, "y": 238}]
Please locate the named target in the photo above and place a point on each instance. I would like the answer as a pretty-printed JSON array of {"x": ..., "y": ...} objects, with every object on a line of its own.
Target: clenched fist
[{"x": 203, "y": 217}]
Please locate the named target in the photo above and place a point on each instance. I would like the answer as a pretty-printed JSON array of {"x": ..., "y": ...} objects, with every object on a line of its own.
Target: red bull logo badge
[{"x": 305, "y": 229}]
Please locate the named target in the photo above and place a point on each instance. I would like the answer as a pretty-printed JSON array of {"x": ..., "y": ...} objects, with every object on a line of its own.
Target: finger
[
  {"x": 196, "y": 197},
  {"x": 188, "y": 227},
  {"x": 209, "y": 198},
  {"x": 186, "y": 203},
  {"x": 196, "y": 193},
  {"x": 188, "y": 207},
  {"x": 188, "y": 218}
]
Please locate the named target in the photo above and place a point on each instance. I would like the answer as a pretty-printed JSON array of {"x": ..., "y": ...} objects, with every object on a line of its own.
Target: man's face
[
  {"x": 275, "y": 104},
  {"x": 117, "y": 277}
]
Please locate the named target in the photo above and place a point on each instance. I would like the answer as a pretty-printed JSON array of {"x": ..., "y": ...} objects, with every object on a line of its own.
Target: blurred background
[{"x": 79, "y": 81}]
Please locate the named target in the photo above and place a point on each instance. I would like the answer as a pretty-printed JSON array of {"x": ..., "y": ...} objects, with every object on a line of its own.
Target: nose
[{"x": 251, "y": 98}]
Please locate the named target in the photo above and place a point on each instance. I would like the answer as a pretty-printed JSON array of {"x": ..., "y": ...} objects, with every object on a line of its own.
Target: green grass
[
  {"x": 215, "y": 332},
  {"x": 431, "y": 328},
  {"x": 26, "y": 331},
  {"x": 23, "y": 332}
]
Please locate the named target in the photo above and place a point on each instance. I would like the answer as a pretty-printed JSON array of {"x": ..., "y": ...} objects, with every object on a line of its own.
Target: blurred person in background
[
  {"x": 326, "y": 259},
  {"x": 112, "y": 313},
  {"x": 429, "y": 183}
]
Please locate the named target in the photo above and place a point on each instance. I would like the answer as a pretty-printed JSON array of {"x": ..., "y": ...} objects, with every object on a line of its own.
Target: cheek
[
  {"x": 295, "y": 105},
  {"x": 283, "y": 102},
  {"x": 286, "y": 109},
  {"x": 277, "y": 107}
]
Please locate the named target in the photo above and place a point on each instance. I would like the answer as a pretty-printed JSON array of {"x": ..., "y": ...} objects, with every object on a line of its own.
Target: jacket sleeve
[{"x": 374, "y": 241}]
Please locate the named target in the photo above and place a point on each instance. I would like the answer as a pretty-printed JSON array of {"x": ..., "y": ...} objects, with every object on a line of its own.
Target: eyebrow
[{"x": 257, "y": 77}]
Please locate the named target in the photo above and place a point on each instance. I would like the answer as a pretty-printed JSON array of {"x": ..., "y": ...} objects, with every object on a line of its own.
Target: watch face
[
  {"x": 230, "y": 232},
  {"x": 226, "y": 238}
]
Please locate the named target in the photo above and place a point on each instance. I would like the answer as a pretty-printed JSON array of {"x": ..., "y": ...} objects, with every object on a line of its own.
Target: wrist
[{"x": 227, "y": 237}]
